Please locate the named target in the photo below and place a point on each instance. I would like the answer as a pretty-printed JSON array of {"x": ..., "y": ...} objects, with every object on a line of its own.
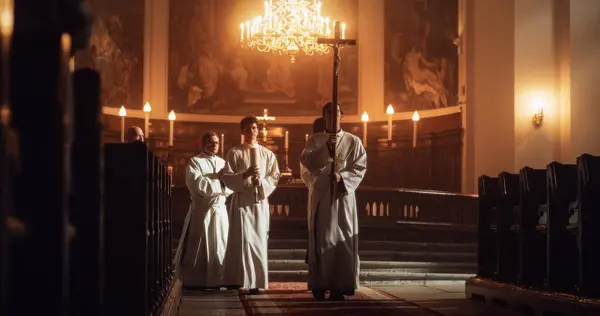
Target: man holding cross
[{"x": 333, "y": 262}]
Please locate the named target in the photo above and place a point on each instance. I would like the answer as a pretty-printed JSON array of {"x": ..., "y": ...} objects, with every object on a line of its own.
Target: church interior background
[{"x": 440, "y": 92}]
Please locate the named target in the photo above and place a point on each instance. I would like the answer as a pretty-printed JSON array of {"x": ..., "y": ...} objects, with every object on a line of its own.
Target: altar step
[{"x": 383, "y": 262}]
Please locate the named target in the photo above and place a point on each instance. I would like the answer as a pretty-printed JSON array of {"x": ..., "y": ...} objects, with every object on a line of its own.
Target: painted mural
[
  {"x": 116, "y": 50},
  {"x": 421, "y": 57},
  {"x": 211, "y": 73}
]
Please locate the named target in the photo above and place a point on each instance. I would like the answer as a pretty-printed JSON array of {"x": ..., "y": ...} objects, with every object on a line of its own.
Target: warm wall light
[{"x": 538, "y": 116}]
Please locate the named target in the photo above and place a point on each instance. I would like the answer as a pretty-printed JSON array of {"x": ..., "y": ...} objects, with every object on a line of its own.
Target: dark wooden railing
[
  {"x": 376, "y": 206},
  {"x": 138, "y": 230}
]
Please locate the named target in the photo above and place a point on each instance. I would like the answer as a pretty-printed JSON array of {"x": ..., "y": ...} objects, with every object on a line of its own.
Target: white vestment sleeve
[
  {"x": 269, "y": 183},
  {"x": 314, "y": 157},
  {"x": 233, "y": 178},
  {"x": 199, "y": 184},
  {"x": 355, "y": 168}
]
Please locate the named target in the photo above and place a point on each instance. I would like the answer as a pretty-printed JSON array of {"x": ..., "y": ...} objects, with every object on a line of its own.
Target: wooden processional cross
[{"x": 337, "y": 42}]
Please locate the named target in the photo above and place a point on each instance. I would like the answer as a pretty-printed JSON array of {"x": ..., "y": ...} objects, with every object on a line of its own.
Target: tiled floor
[{"x": 413, "y": 300}]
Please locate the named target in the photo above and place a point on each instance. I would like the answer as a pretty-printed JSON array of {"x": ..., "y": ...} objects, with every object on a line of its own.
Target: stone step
[
  {"x": 384, "y": 255},
  {"x": 386, "y": 266},
  {"x": 384, "y": 245},
  {"x": 375, "y": 277}
]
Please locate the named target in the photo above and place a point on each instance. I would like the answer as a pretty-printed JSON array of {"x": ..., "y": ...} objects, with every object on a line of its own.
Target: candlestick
[
  {"x": 306, "y": 137},
  {"x": 415, "y": 119},
  {"x": 365, "y": 119},
  {"x": 222, "y": 145},
  {"x": 6, "y": 27},
  {"x": 147, "y": 108},
  {"x": 287, "y": 145},
  {"x": 172, "y": 118},
  {"x": 122, "y": 114},
  {"x": 390, "y": 112}
]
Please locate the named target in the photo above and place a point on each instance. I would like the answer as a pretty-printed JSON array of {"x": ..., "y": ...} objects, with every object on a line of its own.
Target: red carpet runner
[{"x": 294, "y": 298}]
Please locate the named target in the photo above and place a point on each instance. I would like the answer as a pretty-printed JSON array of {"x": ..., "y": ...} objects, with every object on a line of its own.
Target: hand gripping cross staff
[{"x": 336, "y": 43}]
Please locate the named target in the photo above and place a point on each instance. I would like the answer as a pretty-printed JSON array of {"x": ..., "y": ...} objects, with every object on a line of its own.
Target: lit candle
[
  {"x": 172, "y": 118},
  {"x": 6, "y": 27},
  {"x": 147, "y": 109},
  {"x": 306, "y": 137},
  {"x": 415, "y": 119},
  {"x": 287, "y": 144},
  {"x": 122, "y": 114},
  {"x": 266, "y": 9},
  {"x": 365, "y": 119},
  {"x": 241, "y": 31},
  {"x": 390, "y": 113},
  {"x": 222, "y": 145},
  {"x": 242, "y": 139},
  {"x": 343, "y": 30}
]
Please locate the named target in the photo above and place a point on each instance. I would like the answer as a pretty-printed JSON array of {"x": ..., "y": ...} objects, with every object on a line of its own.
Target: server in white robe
[
  {"x": 246, "y": 261},
  {"x": 333, "y": 262},
  {"x": 307, "y": 177},
  {"x": 206, "y": 242}
]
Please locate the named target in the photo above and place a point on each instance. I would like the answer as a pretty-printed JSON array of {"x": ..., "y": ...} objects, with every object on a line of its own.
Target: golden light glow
[
  {"x": 364, "y": 117},
  {"x": 147, "y": 107},
  {"x": 389, "y": 110},
  {"x": 416, "y": 117},
  {"x": 65, "y": 41},
  {"x": 6, "y": 21},
  {"x": 172, "y": 116},
  {"x": 122, "y": 111},
  {"x": 289, "y": 27}
]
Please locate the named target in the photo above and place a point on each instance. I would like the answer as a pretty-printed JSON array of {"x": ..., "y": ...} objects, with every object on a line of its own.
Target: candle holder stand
[{"x": 287, "y": 172}]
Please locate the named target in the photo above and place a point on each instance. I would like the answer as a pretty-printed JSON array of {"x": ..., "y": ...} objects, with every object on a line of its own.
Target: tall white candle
[
  {"x": 122, "y": 114},
  {"x": 415, "y": 119},
  {"x": 172, "y": 118},
  {"x": 390, "y": 112},
  {"x": 147, "y": 110},
  {"x": 287, "y": 144},
  {"x": 306, "y": 137},
  {"x": 254, "y": 157},
  {"x": 365, "y": 119},
  {"x": 242, "y": 138},
  {"x": 222, "y": 144}
]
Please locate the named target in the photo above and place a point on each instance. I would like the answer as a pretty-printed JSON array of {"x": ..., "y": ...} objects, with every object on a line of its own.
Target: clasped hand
[{"x": 253, "y": 172}]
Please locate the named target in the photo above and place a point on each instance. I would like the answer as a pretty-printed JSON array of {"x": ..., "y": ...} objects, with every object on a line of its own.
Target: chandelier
[{"x": 289, "y": 27}]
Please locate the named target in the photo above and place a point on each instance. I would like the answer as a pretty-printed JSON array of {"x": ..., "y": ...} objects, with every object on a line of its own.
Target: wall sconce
[{"x": 538, "y": 117}]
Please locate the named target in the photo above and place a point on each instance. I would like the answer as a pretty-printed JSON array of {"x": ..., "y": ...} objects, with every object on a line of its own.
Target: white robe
[
  {"x": 206, "y": 243},
  {"x": 246, "y": 263},
  {"x": 333, "y": 263}
]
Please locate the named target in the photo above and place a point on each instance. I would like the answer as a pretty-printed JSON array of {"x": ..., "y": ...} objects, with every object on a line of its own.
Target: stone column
[
  {"x": 489, "y": 88},
  {"x": 371, "y": 59},
  {"x": 585, "y": 75},
  {"x": 156, "y": 56}
]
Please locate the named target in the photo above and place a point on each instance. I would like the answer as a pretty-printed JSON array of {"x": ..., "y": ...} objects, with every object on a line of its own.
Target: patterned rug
[{"x": 294, "y": 298}]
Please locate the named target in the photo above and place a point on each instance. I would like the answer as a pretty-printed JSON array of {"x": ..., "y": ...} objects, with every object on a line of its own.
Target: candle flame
[
  {"x": 172, "y": 116},
  {"x": 365, "y": 117},
  {"x": 122, "y": 111},
  {"x": 65, "y": 41},
  {"x": 147, "y": 107},
  {"x": 416, "y": 117},
  {"x": 389, "y": 110}
]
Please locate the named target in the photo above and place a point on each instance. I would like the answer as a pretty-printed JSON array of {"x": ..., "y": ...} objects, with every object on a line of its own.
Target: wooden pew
[
  {"x": 561, "y": 257},
  {"x": 486, "y": 226},
  {"x": 508, "y": 207},
  {"x": 532, "y": 224},
  {"x": 588, "y": 184},
  {"x": 137, "y": 230}
]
